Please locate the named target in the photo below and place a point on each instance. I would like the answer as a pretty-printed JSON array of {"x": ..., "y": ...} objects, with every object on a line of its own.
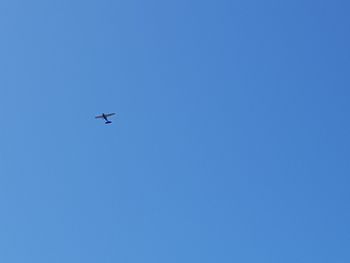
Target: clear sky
[{"x": 231, "y": 143}]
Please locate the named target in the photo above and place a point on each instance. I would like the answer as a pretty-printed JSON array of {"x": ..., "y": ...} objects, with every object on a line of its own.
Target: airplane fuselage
[{"x": 105, "y": 117}]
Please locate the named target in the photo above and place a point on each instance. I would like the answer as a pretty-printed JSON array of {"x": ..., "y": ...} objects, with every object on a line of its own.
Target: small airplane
[{"x": 105, "y": 117}]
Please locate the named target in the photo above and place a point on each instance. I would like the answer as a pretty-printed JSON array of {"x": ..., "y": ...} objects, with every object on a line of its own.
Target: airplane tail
[{"x": 108, "y": 122}]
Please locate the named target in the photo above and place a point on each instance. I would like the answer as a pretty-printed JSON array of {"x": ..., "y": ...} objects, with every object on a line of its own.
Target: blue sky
[{"x": 231, "y": 142}]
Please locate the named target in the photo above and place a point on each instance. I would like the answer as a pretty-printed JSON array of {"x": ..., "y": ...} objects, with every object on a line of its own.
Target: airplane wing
[
  {"x": 109, "y": 114},
  {"x": 99, "y": 117}
]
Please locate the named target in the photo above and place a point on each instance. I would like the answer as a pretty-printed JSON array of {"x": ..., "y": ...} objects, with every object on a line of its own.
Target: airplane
[{"x": 105, "y": 117}]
